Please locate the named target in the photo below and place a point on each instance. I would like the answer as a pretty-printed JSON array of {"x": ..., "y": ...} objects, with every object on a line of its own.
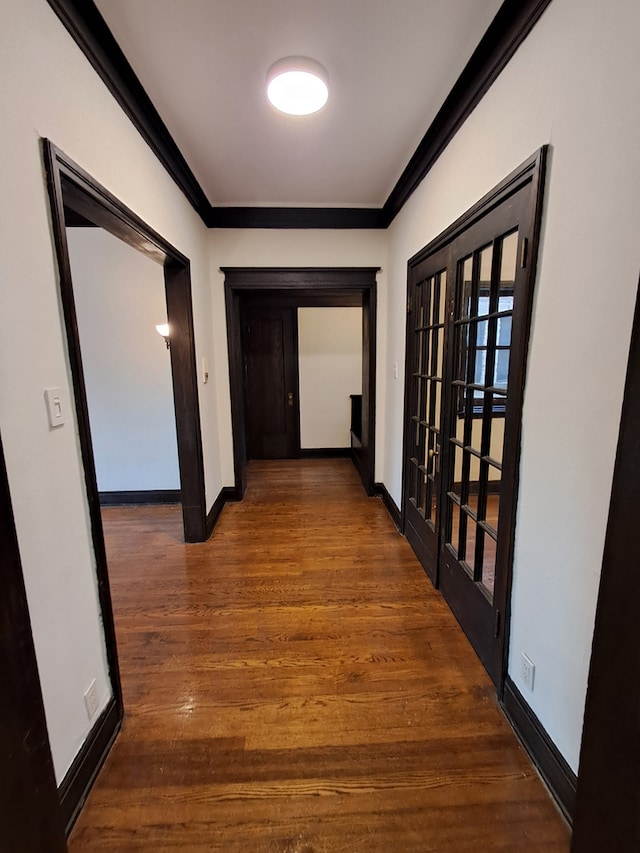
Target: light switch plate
[
  {"x": 205, "y": 371},
  {"x": 55, "y": 407}
]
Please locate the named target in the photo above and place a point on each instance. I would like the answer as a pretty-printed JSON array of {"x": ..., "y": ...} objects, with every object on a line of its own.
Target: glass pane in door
[
  {"x": 429, "y": 311},
  {"x": 483, "y": 317}
]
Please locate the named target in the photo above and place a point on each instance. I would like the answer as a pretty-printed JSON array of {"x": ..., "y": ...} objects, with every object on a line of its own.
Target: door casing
[
  {"x": 30, "y": 817},
  {"x": 73, "y": 189},
  {"x": 303, "y": 287},
  {"x": 530, "y": 173}
]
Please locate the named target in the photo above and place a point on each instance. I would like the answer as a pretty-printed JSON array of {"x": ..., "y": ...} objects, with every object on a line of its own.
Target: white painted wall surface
[
  {"x": 330, "y": 366},
  {"x": 573, "y": 84},
  {"x": 120, "y": 296},
  {"x": 295, "y": 248},
  {"x": 49, "y": 89}
]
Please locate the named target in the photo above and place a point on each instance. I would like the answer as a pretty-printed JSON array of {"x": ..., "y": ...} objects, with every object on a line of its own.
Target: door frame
[
  {"x": 606, "y": 813},
  {"x": 31, "y": 802},
  {"x": 72, "y": 189},
  {"x": 303, "y": 287},
  {"x": 531, "y": 171}
]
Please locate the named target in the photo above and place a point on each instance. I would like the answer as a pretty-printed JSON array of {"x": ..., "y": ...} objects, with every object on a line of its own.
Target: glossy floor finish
[{"x": 297, "y": 685}]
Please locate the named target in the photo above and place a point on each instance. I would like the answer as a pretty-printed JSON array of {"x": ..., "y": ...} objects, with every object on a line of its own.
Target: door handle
[
  {"x": 290, "y": 398},
  {"x": 433, "y": 454}
]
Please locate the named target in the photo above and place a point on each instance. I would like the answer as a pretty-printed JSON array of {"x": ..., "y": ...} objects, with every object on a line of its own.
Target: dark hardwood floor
[{"x": 297, "y": 685}]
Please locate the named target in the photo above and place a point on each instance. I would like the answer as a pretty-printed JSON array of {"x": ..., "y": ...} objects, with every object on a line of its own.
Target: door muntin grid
[
  {"x": 479, "y": 392},
  {"x": 428, "y": 348}
]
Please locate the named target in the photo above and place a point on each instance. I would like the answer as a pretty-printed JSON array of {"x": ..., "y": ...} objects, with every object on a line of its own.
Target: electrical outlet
[
  {"x": 528, "y": 670},
  {"x": 91, "y": 699}
]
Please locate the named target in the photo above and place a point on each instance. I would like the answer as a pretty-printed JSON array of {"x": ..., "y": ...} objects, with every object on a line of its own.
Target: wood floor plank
[{"x": 296, "y": 685}]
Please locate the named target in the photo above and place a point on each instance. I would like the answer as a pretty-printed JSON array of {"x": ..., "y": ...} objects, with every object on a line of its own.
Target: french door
[{"x": 468, "y": 316}]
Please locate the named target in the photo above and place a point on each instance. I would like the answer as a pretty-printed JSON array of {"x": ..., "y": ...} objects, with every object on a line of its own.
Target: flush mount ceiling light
[{"x": 297, "y": 85}]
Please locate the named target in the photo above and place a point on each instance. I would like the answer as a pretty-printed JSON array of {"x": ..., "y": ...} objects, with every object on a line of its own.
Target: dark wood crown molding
[
  {"x": 513, "y": 22},
  {"x": 94, "y": 38},
  {"x": 296, "y": 217}
]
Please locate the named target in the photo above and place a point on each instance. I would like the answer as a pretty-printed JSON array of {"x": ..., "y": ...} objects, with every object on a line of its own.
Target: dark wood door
[
  {"x": 426, "y": 347},
  {"x": 490, "y": 316},
  {"x": 271, "y": 382},
  {"x": 469, "y": 306},
  {"x": 29, "y": 805}
]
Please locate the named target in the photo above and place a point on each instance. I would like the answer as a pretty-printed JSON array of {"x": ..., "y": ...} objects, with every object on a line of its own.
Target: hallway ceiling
[{"x": 391, "y": 64}]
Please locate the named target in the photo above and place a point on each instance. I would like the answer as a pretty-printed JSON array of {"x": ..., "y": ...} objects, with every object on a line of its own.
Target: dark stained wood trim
[
  {"x": 298, "y": 287},
  {"x": 511, "y": 25},
  {"x": 74, "y": 788},
  {"x": 54, "y": 166},
  {"x": 382, "y": 492},
  {"x": 530, "y": 170},
  {"x": 551, "y": 765},
  {"x": 607, "y": 816},
  {"x": 94, "y": 38},
  {"x": 325, "y": 453},
  {"x": 70, "y": 187},
  {"x": 30, "y": 819},
  {"x": 529, "y": 177},
  {"x": 302, "y": 280},
  {"x": 227, "y": 494},
  {"x": 149, "y": 496},
  {"x": 296, "y": 217}
]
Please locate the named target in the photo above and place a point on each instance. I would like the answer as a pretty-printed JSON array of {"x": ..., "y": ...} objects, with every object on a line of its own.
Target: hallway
[{"x": 297, "y": 685}]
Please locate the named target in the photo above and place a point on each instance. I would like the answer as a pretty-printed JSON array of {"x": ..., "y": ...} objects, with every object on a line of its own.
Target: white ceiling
[{"x": 391, "y": 64}]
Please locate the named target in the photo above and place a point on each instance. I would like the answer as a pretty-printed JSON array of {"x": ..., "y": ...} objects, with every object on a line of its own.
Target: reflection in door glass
[
  {"x": 470, "y": 543},
  {"x": 454, "y": 511},
  {"x": 509, "y": 258},
  {"x": 466, "y": 285},
  {"x": 443, "y": 296},
  {"x": 489, "y": 563}
]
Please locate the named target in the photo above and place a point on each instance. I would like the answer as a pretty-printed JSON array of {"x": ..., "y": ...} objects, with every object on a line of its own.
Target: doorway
[
  {"x": 73, "y": 192},
  {"x": 275, "y": 294},
  {"x": 468, "y": 315}
]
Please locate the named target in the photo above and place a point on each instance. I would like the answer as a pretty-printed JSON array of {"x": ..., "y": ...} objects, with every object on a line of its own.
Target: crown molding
[
  {"x": 295, "y": 217},
  {"x": 94, "y": 38},
  {"x": 511, "y": 25}
]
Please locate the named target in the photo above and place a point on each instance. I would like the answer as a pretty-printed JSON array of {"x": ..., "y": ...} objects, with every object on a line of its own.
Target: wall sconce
[{"x": 163, "y": 329}]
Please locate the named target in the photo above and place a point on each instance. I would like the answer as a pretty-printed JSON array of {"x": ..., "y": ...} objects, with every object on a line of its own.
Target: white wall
[
  {"x": 119, "y": 295},
  {"x": 305, "y": 248},
  {"x": 575, "y": 84},
  {"x": 49, "y": 89},
  {"x": 330, "y": 366}
]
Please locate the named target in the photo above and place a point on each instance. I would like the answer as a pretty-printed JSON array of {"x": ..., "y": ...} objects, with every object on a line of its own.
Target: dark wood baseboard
[
  {"x": 227, "y": 493},
  {"x": 148, "y": 496},
  {"x": 75, "y": 786},
  {"x": 325, "y": 453},
  {"x": 555, "y": 771},
  {"x": 381, "y": 491}
]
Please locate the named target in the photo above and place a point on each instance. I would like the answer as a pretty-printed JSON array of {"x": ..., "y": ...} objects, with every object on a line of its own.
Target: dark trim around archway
[
  {"x": 303, "y": 287},
  {"x": 72, "y": 189},
  {"x": 30, "y": 819}
]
